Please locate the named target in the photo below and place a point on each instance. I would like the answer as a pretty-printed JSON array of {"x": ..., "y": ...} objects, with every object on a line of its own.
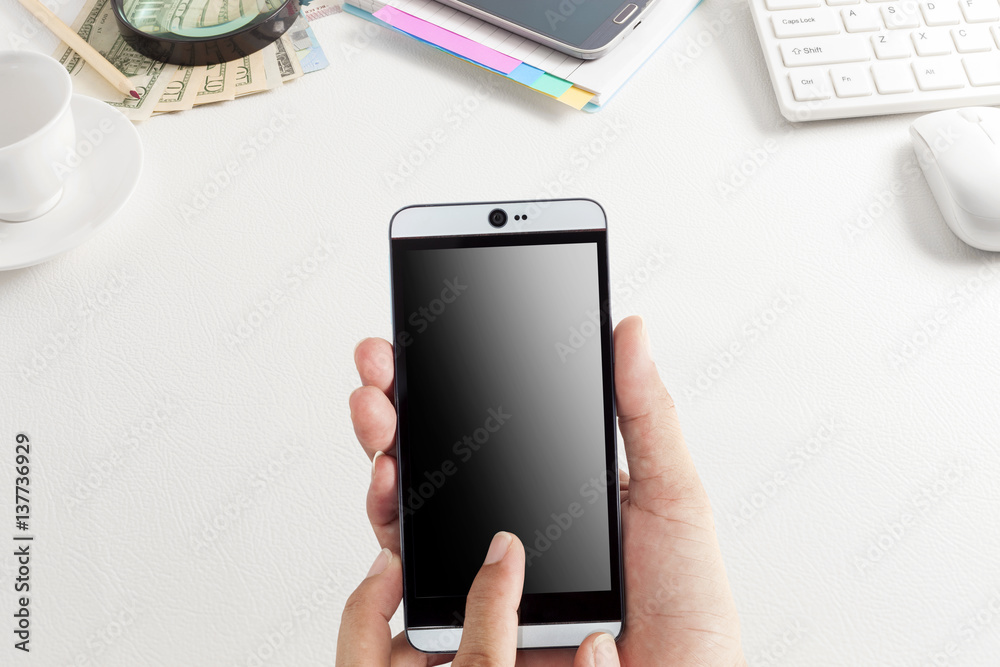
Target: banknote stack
[{"x": 165, "y": 88}]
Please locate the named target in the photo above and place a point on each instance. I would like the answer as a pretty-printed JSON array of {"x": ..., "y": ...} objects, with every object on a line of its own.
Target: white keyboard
[{"x": 846, "y": 58}]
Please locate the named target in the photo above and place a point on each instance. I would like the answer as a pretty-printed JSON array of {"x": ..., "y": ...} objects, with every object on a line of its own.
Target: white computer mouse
[{"x": 959, "y": 152}]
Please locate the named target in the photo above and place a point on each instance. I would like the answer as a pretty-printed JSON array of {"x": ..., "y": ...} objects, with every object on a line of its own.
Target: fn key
[
  {"x": 850, "y": 81},
  {"x": 809, "y": 85}
]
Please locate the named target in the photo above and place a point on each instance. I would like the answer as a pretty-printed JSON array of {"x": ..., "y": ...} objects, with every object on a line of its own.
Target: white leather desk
[{"x": 832, "y": 347}]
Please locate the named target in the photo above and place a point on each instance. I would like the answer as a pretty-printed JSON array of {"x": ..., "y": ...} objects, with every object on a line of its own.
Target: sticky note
[
  {"x": 447, "y": 40},
  {"x": 551, "y": 85},
  {"x": 526, "y": 74},
  {"x": 576, "y": 97}
]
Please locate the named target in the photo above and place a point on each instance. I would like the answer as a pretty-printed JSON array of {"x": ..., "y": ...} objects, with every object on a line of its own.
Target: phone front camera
[{"x": 498, "y": 217}]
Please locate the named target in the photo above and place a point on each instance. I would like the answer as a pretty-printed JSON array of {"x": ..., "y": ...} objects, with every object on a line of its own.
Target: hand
[
  {"x": 489, "y": 635},
  {"x": 679, "y": 608}
]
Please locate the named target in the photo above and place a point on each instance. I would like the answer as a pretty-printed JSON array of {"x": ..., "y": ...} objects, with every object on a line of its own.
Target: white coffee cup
[{"x": 36, "y": 133}]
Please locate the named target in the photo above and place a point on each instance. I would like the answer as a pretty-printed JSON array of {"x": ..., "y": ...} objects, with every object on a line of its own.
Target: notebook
[{"x": 582, "y": 84}]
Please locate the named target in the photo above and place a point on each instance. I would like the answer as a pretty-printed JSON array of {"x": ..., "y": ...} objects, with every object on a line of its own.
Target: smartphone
[
  {"x": 506, "y": 414},
  {"x": 585, "y": 29}
]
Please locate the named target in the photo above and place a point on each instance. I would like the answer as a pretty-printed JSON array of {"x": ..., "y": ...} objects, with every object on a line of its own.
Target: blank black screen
[{"x": 504, "y": 424}]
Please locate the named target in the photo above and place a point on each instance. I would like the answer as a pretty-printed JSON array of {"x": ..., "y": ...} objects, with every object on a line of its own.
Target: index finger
[{"x": 374, "y": 360}]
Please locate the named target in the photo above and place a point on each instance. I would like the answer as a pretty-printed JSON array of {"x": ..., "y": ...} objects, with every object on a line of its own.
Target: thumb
[
  {"x": 365, "y": 638},
  {"x": 647, "y": 418},
  {"x": 489, "y": 635},
  {"x": 597, "y": 650}
]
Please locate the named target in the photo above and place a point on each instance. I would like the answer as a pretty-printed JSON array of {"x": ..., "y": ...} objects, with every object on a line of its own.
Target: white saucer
[{"x": 93, "y": 193}]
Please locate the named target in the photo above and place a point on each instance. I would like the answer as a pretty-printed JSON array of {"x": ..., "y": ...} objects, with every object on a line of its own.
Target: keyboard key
[
  {"x": 980, "y": 11},
  {"x": 897, "y": 16},
  {"x": 971, "y": 39},
  {"x": 892, "y": 78},
  {"x": 939, "y": 74},
  {"x": 861, "y": 19},
  {"x": 942, "y": 12},
  {"x": 996, "y": 34},
  {"x": 778, "y": 5},
  {"x": 890, "y": 45},
  {"x": 931, "y": 42},
  {"x": 805, "y": 23},
  {"x": 850, "y": 81},
  {"x": 824, "y": 51},
  {"x": 983, "y": 69},
  {"x": 809, "y": 85}
]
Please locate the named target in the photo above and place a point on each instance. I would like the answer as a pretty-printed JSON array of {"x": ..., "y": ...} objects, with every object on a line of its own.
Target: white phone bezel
[
  {"x": 447, "y": 640},
  {"x": 553, "y": 215}
]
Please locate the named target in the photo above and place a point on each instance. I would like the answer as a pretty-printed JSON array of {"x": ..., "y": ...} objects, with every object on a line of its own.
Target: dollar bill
[
  {"x": 271, "y": 71},
  {"x": 180, "y": 92},
  {"x": 288, "y": 63},
  {"x": 217, "y": 83},
  {"x": 263, "y": 70},
  {"x": 153, "y": 15},
  {"x": 96, "y": 24},
  {"x": 250, "y": 75}
]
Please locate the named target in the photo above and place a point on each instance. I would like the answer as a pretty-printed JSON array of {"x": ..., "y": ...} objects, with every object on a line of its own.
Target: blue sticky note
[{"x": 526, "y": 74}]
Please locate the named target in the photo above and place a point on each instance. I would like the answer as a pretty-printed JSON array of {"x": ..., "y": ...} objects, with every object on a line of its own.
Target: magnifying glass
[{"x": 202, "y": 32}]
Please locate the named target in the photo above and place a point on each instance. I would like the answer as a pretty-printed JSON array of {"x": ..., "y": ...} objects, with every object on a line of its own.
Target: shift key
[{"x": 824, "y": 50}]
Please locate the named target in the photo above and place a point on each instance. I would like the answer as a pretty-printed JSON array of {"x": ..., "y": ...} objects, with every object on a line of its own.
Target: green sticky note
[{"x": 551, "y": 85}]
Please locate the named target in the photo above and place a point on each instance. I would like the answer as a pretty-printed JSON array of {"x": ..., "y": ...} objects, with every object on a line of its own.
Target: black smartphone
[
  {"x": 585, "y": 29},
  {"x": 506, "y": 415}
]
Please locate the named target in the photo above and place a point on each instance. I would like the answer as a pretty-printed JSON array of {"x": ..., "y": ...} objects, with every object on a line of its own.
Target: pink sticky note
[{"x": 447, "y": 40}]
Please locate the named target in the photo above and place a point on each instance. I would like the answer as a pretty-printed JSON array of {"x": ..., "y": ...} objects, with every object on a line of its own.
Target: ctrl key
[{"x": 810, "y": 85}]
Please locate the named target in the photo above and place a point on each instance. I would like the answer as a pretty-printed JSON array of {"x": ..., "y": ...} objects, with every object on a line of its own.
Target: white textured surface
[{"x": 253, "y": 439}]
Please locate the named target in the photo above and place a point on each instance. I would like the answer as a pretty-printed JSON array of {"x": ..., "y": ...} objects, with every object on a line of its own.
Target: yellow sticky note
[{"x": 575, "y": 97}]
